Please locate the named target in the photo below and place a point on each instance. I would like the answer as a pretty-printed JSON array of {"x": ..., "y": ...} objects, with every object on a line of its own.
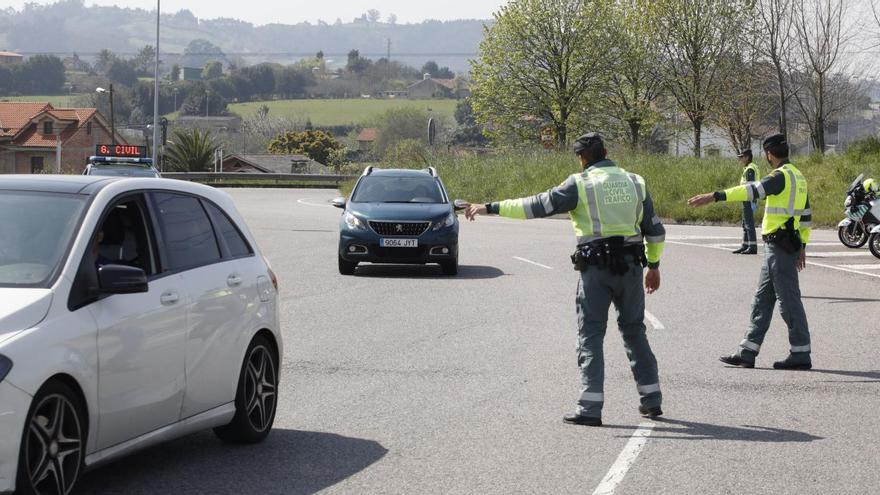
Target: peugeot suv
[{"x": 398, "y": 216}]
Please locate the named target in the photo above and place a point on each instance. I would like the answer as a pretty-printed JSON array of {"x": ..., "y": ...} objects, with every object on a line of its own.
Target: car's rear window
[
  {"x": 36, "y": 230},
  {"x": 379, "y": 189}
]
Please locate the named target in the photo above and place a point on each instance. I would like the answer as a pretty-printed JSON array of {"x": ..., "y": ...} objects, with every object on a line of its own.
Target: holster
[
  {"x": 610, "y": 253},
  {"x": 788, "y": 239}
]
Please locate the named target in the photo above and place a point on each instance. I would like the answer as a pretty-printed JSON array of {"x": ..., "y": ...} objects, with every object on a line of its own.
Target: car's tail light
[{"x": 274, "y": 279}]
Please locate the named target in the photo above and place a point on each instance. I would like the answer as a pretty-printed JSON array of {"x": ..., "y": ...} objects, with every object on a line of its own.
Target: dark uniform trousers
[
  {"x": 750, "y": 237},
  {"x": 597, "y": 290}
]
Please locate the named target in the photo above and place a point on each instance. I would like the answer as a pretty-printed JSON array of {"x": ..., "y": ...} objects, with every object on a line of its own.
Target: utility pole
[{"x": 156, "y": 91}]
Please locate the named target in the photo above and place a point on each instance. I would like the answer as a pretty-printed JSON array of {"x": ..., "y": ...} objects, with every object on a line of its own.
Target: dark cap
[
  {"x": 775, "y": 140},
  {"x": 588, "y": 141},
  {"x": 745, "y": 152}
]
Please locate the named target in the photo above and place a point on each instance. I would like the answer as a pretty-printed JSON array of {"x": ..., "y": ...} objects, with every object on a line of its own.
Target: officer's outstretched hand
[
  {"x": 473, "y": 210},
  {"x": 701, "y": 200},
  {"x": 652, "y": 280}
]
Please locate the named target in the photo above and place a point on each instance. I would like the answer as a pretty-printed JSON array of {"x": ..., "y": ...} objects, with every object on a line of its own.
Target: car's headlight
[
  {"x": 353, "y": 222},
  {"x": 5, "y": 366},
  {"x": 447, "y": 222}
]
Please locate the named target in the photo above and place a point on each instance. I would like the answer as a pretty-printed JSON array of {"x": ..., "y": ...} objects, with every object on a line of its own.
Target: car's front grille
[{"x": 405, "y": 229}]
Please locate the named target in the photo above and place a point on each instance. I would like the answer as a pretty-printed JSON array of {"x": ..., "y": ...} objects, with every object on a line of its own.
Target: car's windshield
[
  {"x": 378, "y": 189},
  {"x": 35, "y": 232},
  {"x": 123, "y": 171}
]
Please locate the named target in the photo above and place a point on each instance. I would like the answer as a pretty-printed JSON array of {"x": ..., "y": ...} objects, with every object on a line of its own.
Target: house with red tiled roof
[
  {"x": 367, "y": 137},
  {"x": 38, "y": 138},
  {"x": 10, "y": 58}
]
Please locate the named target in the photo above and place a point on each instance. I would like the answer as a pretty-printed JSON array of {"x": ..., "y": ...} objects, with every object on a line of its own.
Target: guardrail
[{"x": 269, "y": 179}]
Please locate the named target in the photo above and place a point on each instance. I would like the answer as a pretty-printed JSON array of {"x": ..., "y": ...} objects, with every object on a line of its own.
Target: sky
[{"x": 292, "y": 12}]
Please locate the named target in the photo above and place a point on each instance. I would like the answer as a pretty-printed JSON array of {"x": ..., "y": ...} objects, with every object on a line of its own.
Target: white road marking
[
  {"x": 812, "y": 263},
  {"x": 863, "y": 267},
  {"x": 532, "y": 262},
  {"x": 701, "y": 238},
  {"x": 306, "y": 203},
  {"x": 625, "y": 460},
  {"x": 655, "y": 322},
  {"x": 837, "y": 254}
]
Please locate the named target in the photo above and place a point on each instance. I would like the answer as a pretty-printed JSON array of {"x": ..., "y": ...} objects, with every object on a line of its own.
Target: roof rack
[
  {"x": 367, "y": 171},
  {"x": 432, "y": 171}
]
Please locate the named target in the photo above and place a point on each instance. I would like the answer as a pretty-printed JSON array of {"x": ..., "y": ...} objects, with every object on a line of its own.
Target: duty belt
[{"x": 609, "y": 253}]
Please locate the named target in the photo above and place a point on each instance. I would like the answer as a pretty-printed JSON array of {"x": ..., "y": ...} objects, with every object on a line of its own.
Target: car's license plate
[{"x": 400, "y": 243}]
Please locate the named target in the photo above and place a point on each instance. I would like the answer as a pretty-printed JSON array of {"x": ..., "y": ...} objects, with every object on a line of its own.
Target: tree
[
  {"x": 431, "y": 68},
  {"x": 392, "y": 19},
  {"x": 397, "y": 125},
  {"x": 823, "y": 92},
  {"x": 213, "y": 70},
  {"x": 775, "y": 21},
  {"x": 40, "y": 74},
  {"x": 103, "y": 61},
  {"x": 317, "y": 145},
  {"x": 190, "y": 151},
  {"x": 696, "y": 36},
  {"x": 538, "y": 63},
  {"x": 291, "y": 82},
  {"x": 635, "y": 83},
  {"x": 175, "y": 72},
  {"x": 122, "y": 72},
  {"x": 373, "y": 16},
  {"x": 144, "y": 62},
  {"x": 748, "y": 92},
  {"x": 200, "y": 51},
  {"x": 357, "y": 64}
]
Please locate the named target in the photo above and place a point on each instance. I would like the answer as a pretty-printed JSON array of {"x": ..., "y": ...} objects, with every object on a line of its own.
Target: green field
[
  {"x": 57, "y": 101},
  {"x": 670, "y": 180},
  {"x": 338, "y": 111}
]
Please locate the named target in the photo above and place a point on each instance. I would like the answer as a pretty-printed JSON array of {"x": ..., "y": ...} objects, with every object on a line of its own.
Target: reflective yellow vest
[
  {"x": 753, "y": 168},
  {"x": 610, "y": 205},
  {"x": 790, "y": 203}
]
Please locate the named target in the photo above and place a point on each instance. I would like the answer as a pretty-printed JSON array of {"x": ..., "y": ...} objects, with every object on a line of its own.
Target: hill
[{"x": 69, "y": 26}]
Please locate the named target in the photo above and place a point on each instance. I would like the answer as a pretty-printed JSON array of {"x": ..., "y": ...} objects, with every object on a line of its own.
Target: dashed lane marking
[
  {"x": 306, "y": 203},
  {"x": 532, "y": 262},
  {"x": 655, "y": 322},
  {"x": 875, "y": 266},
  {"x": 812, "y": 263},
  {"x": 625, "y": 460}
]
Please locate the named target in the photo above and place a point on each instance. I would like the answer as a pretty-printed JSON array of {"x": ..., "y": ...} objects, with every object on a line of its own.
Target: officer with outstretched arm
[
  {"x": 786, "y": 232},
  {"x": 618, "y": 234}
]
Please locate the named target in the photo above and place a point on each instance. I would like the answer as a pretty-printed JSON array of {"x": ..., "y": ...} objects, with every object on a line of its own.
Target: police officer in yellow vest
[
  {"x": 786, "y": 231},
  {"x": 750, "y": 174},
  {"x": 618, "y": 234}
]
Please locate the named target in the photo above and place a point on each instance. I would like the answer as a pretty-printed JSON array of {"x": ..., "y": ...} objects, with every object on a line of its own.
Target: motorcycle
[{"x": 862, "y": 218}]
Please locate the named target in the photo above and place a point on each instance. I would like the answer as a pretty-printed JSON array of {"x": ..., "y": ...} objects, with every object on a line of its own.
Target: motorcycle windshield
[{"x": 857, "y": 182}]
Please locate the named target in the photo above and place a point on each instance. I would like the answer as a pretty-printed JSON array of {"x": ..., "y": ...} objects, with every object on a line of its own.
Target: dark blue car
[{"x": 398, "y": 216}]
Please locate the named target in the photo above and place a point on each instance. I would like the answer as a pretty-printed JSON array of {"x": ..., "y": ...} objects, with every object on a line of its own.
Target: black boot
[
  {"x": 751, "y": 250},
  {"x": 795, "y": 361},
  {"x": 577, "y": 419},
  {"x": 736, "y": 360},
  {"x": 739, "y": 251},
  {"x": 650, "y": 412}
]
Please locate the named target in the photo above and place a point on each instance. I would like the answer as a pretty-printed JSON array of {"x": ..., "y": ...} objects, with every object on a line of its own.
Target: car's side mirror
[
  {"x": 120, "y": 279},
  {"x": 460, "y": 204},
  {"x": 338, "y": 202}
]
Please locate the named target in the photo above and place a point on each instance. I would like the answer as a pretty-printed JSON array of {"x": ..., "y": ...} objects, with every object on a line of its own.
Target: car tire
[
  {"x": 449, "y": 267},
  {"x": 54, "y": 440},
  {"x": 256, "y": 398},
  {"x": 347, "y": 267}
]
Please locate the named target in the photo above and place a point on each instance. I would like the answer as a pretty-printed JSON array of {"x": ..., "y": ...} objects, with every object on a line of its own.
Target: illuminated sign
[{"x": 123, "y": 150}]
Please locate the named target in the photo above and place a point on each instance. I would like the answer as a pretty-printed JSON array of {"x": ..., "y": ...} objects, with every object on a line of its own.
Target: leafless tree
[
  {"x": 776, "y": 24},
  {"x": 748, "y": 90},
  {"x": 824, "y": 88},
  {"x": 696, "y": 36}
]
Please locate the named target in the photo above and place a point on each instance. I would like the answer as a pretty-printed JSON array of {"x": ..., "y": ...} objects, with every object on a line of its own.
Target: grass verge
[
  {"x": 332, "y": 112},
  {"x": 670, "y": 180}
]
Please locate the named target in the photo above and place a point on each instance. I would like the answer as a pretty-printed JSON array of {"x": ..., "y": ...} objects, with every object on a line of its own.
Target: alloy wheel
[
  {"x": 260, "y": 388},
  {"x": 54, "y": 446}
]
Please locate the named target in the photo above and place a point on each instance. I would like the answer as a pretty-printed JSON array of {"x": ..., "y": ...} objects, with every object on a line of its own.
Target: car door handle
[
  {"x": 169, "y": 298},
  {"x": 233, "y": 280}
]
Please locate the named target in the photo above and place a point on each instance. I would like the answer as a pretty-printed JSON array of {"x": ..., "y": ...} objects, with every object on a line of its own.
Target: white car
[{"x": 132, "y": 311}]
